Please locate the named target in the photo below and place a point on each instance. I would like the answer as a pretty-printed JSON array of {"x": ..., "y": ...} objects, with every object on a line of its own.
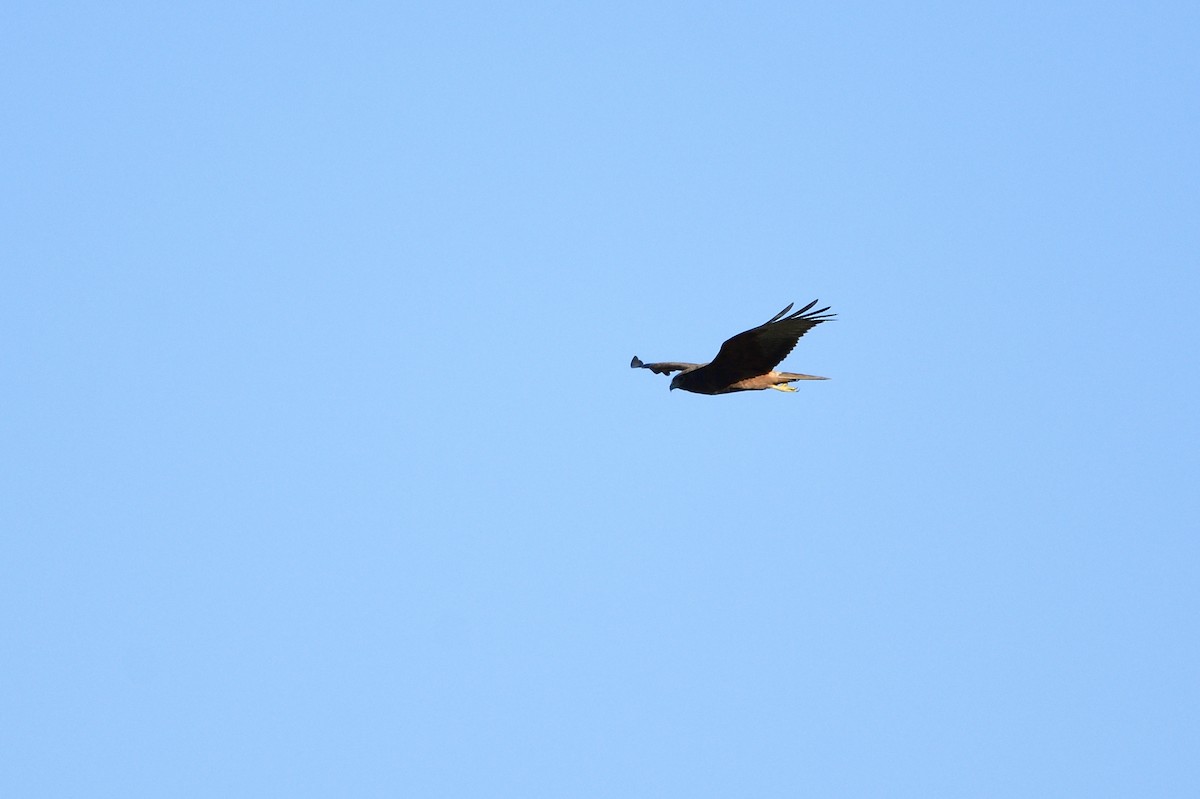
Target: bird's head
[{"x": 675, "y": 381}]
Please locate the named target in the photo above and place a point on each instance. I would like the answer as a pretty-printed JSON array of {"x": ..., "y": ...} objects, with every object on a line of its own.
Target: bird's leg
[{"x": 783, "y": 387}]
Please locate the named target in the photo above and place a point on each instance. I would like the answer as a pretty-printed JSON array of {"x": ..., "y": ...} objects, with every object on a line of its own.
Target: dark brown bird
[{"x": 747, "y": 361}]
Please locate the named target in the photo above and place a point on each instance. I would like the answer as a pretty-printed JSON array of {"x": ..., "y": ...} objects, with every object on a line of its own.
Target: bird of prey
[{"x": 747, "y": 361}]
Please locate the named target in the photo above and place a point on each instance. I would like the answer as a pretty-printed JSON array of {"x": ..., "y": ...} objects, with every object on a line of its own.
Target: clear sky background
[{"x": 325, "y": 474}]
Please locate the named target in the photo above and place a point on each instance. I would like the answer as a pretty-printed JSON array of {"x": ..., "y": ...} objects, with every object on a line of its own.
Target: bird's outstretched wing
[
  {"x": 663, "y": 368},
  {"x": 760, "y": 349}
]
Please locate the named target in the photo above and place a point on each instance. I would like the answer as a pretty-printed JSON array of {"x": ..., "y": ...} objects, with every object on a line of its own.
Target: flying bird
[{"x": 747, "y": 361}]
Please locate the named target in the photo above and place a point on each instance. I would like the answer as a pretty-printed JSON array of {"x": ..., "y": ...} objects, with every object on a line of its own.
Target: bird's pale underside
[{"x": 747, "y": 361}]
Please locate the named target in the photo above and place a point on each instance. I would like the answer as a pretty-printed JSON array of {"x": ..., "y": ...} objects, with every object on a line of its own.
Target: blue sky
[{"x": 326, "y": 474}]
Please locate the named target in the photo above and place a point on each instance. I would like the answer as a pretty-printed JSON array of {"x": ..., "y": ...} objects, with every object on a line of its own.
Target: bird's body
[{"x": 747, "y": 361}]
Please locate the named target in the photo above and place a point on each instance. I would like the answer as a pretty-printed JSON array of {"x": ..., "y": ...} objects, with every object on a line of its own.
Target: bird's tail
[{"x": 788, "y": 377}]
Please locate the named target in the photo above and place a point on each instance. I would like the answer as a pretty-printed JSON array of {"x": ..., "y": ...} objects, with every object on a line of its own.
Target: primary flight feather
[{"x": 747, "y": 361}]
